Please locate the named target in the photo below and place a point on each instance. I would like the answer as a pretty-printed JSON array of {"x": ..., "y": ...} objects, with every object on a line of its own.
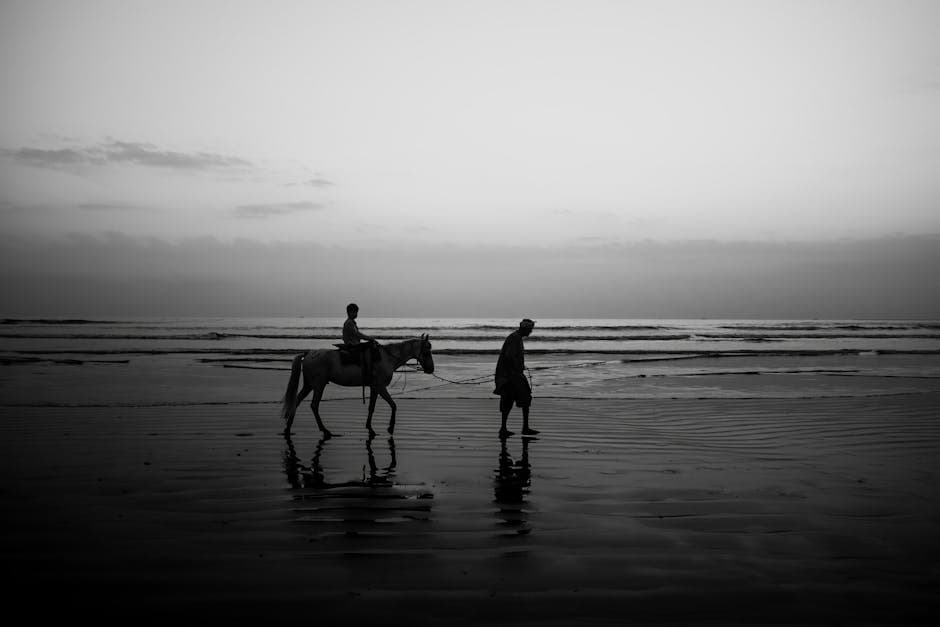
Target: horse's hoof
[
  {"x": 371, "y": 434},
  {"x": 327, "y": 435}
]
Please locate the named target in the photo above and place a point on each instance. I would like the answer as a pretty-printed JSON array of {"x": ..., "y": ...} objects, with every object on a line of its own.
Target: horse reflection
[
  {"x": 511, "y": 484},
  {"x": 367, "y": 510},
  {"x": 386, "y": 475},
  {"x": 301, "y": 476}
]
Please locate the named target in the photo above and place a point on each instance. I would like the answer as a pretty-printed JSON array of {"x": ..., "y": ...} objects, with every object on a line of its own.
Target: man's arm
[
  {"x": 514, "y": 355},
  {"x": 351, "y": 331}
]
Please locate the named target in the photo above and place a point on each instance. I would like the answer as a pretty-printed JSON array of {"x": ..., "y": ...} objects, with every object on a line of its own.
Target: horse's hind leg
[
  {"x": 391, "y": 403},
  {"x": 303, "y": 393},
  {"x": 315, "y": 406},
  {"x": 300, "y": 397}
]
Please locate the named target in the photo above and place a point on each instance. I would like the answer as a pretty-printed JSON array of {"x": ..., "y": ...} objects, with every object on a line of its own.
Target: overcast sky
[{"x": 517, "y": 131}]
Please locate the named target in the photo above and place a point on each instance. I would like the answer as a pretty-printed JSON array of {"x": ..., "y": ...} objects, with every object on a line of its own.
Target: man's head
[
  {"x": 526, "y": 326},
  {"x": 352, "y": 310}
]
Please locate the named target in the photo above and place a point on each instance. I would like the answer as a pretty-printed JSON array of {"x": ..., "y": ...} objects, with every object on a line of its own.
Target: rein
[{"x": 398, "y": 360}]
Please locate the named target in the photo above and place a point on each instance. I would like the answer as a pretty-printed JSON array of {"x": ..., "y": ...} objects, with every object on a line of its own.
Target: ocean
[{"x": 154, "y": 360}]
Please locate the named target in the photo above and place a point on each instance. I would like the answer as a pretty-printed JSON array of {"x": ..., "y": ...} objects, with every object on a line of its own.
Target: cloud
[
  {"x": 41, "y": 158},
  {"x": 98, "y": 206},
  {"x": 267, "y": 210},
  {"x": 148, "y": 155},
  {"x": 319, "y": 182},
  {"x": 127, "y": 153}
]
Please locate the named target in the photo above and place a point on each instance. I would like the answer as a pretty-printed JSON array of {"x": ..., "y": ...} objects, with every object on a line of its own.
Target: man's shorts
[{"x": 515, "y": 391}]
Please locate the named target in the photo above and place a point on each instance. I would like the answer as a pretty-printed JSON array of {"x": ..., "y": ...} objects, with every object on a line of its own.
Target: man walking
[{"x": 511, "y": 383}]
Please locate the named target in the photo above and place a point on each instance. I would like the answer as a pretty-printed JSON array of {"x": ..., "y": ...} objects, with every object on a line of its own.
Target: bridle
[{"x": 399, "y": 360}]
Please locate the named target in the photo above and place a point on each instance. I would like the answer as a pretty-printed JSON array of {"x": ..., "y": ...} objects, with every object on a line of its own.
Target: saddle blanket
[{"x": 351, "y": 357}]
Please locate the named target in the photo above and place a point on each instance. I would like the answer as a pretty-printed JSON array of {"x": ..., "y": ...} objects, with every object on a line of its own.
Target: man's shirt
[
  {"x": 511, "y": 360},
  {"x": 351, "y": 333}
]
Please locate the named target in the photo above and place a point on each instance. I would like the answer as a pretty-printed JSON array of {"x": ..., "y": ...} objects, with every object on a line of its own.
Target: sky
[{"x": 749, "y": 158}]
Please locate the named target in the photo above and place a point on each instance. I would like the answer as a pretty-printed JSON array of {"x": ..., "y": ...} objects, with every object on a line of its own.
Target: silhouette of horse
[{"x": 324, "y": 366}]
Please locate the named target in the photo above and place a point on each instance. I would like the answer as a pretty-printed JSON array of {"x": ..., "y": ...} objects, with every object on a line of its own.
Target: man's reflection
[{"x": 511, "y": 485}]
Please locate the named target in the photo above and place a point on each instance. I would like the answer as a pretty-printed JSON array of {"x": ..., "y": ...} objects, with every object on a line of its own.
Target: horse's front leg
[
  {"x": 388, "y": 399},
  {"x": 373, "y": 395}
]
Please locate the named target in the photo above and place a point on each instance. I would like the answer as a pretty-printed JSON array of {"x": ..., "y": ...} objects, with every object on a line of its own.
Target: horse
[{"x": 323, "y": 366}]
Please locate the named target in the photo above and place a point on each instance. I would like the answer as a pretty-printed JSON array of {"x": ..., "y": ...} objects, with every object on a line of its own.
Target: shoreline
[{"x": 179, "y": 380}]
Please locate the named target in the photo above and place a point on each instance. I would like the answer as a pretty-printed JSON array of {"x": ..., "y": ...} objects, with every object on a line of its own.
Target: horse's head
[{"x": 424, "y": 354}]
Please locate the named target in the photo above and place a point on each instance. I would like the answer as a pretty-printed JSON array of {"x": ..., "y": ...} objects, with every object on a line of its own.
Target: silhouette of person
[
  {"x": 351, "y": 334},
  {"x": 511, "y": 383},
  {"x": 357, "y": 342}
]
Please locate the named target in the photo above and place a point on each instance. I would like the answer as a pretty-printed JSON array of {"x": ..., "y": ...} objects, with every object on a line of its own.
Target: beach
[
  {"x": 142, "y": 488},
  {"x": 802, "y": 511}
]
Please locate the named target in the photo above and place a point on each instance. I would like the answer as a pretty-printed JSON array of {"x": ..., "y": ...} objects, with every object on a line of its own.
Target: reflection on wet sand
[
  {"x": 373, "y": 506},
  {"x": 386, "y": 476},
  {"x": 511, "y": 484},
  {"x": 301, "y": 476}
]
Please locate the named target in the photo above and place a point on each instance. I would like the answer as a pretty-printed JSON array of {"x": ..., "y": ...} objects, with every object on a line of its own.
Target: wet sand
[{"x": 659, "y": 511}]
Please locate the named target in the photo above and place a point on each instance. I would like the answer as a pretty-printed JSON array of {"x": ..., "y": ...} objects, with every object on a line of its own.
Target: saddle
[
  {"x": 346, "y": 356},
  {"x": 349, "y": 355}
]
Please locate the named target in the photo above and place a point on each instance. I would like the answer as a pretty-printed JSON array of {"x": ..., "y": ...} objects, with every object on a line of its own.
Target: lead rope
[
  {"x": 398, "y": 361},
  {"x": 417, "y": 367}
]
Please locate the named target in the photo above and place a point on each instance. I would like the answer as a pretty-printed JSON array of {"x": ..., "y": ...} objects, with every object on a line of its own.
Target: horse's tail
[{"x": 289, "y": 404}]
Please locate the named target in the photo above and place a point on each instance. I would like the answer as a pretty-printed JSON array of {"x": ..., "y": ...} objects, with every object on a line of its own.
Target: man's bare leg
[
  {"x": 503, "y": 431},
  {"x": 525, "y": 423}
]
